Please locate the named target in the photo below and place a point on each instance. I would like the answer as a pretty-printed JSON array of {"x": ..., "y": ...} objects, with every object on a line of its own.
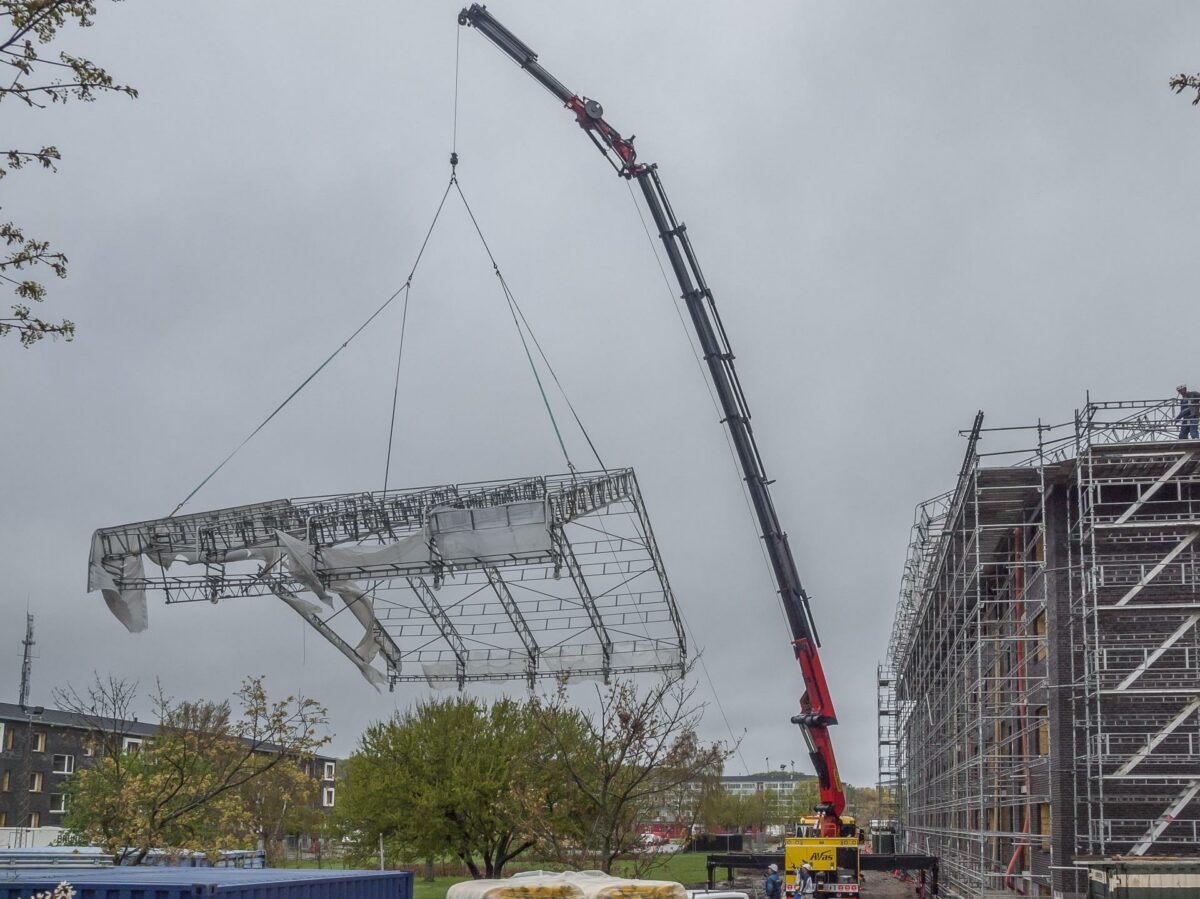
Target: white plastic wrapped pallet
[{"x": 567, "y": 885}]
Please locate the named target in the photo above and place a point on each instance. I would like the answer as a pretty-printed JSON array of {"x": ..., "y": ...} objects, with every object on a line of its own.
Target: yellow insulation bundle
[
  {"x": 597, "y": 885},
  {"x": 532, "y": 885},
  {"x": 566, "y": 885}
]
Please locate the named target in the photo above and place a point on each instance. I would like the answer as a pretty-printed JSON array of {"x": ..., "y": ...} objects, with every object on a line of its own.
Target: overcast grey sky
[{"x": 908, "y": 211}]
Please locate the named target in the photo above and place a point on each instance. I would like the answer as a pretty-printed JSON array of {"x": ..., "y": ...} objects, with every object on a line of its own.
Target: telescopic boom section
[{"x": 816, "y": 706}]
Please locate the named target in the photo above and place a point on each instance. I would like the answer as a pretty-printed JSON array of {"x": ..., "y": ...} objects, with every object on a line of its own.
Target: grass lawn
[
  {"x": 435, "y": 890},
  {"x": 685, "y": 867}
]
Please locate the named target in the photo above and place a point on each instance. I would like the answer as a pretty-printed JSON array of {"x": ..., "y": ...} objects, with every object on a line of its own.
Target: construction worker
[
  {"x": 806, "y": 884},
  {"x": 774, "y": 886},
  {"x": 1189, "y": 412}
]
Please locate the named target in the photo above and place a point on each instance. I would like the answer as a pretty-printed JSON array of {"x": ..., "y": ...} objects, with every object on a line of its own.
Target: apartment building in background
[{"x": 41, "y": 748}]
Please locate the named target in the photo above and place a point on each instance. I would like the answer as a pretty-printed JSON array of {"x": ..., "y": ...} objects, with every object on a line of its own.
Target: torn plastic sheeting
[
  {"x": 300, "y": 558},
  {"x": 309, "y": 612},
  {"x": 129, "y": 606},
  {"x": 361, "y": 606}
]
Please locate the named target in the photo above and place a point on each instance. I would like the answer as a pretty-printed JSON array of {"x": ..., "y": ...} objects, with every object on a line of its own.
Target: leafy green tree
[
  {"x": 722, "y": 810},
  {"x": 37, "y": 81},
  {"x": 186, "y": 787},
  {"x": 449, "y": 776}
]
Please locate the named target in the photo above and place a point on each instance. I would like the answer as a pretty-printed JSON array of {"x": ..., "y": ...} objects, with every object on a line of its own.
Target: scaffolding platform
[
  {"x": 1040, "y": 698},
  {"x": 548, "y": 576}
]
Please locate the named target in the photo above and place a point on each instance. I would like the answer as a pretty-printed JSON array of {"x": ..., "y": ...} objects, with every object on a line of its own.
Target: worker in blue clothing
[
  {"x": 1189, "y": 412},
  {"x": 774, "y": 886}
]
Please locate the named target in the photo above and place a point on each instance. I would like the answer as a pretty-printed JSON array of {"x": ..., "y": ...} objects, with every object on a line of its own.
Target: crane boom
[{"x": 816, "y": 707}]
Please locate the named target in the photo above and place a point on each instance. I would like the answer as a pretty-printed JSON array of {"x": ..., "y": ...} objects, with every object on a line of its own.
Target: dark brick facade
[{"x": 40, "y": 748}]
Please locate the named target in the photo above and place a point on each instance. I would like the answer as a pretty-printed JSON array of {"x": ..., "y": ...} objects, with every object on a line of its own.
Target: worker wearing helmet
[
  {"x": 773, "y": 887},
  {"x": 806, "y": 884},
  {"x": 1189, "y": 412}
]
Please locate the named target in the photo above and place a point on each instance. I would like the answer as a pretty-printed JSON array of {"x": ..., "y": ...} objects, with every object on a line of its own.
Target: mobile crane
[{"x": 817, "y": 713}]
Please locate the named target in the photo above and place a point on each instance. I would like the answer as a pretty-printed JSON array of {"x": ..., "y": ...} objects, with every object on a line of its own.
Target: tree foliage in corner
[
  {"x": 192, "y": 785},
  {"x": 38, "y": 81},
  {"x": 1182, "y": 82}
]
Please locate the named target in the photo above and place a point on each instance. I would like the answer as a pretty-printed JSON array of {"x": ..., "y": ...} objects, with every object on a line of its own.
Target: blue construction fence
[{"x": 209, "y": 883}]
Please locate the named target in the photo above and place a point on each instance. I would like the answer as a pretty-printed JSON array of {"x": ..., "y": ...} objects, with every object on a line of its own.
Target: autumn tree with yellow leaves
[{"x": 192, "y": 786}]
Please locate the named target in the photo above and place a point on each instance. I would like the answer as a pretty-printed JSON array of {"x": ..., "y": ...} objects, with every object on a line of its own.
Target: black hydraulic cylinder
[{"x": 512, "y": 45}]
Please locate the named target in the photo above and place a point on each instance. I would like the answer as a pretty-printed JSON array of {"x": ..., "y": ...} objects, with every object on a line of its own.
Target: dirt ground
[{"x": 879, "y": 885}]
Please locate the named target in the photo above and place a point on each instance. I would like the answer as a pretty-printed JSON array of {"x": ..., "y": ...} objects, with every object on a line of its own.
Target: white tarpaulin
[
  {"x": 519, "y": 529},
  {"x": 310, "y": 611},
  {"x": 128, "y": 605},
  {"x": 361, "y": 606},
  {"x": 413, "y": 550},
  {"x": 301, "y": 561}
]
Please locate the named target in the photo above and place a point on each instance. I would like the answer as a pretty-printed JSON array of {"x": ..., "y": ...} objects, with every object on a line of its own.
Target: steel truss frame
[{"x": 495, "y": 618}]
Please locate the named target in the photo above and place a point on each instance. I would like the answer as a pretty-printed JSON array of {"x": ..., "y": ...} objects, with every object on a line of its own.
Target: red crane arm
[{"x": 816, "y": 706}]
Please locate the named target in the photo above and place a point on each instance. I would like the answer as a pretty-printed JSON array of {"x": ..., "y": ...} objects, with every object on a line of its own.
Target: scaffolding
[
  {"x": 1038, "y": 702},
  {"x": 1134, "y": 598},
  {"x": 967, "y": 673},
  {"x": 555, "y": 576}
]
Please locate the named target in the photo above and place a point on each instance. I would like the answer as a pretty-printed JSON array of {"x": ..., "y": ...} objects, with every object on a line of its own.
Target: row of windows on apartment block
[
  {"x": 65, "y": 764},
  {"x": 130, "y": 744}
]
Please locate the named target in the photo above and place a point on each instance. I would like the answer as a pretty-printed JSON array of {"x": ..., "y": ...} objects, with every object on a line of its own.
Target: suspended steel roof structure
[{"x": 548, "y": 576}]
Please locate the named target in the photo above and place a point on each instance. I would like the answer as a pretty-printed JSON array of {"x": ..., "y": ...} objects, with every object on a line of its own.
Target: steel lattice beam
[
  {"x": 437, "y": 614},
  {"x": 500, "y": 588},
  {"x": 589, "y": 602}
]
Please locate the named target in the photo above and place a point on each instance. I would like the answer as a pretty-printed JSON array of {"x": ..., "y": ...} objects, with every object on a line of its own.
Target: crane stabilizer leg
[{"x": 816, "y": 706}]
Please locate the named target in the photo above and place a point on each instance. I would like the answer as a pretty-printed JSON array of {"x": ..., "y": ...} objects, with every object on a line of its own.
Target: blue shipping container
[{"x": 210, "y": 883}]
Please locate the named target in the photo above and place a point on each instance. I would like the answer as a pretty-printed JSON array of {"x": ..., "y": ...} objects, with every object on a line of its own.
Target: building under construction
[{"x": 1038, "y": 704}]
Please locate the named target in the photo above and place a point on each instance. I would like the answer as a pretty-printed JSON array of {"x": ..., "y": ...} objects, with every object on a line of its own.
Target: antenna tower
[{"x": 27, "y": 660}]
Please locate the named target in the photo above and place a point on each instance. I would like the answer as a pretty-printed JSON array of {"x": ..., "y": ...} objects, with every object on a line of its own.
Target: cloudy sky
[{"x": 908, "y": 211}]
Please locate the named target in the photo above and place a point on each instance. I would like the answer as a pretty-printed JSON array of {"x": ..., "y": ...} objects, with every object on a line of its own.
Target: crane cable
[
  {"x": 509, "y": 298},
  {"x": 518, "y": 315},
  {"x": 403, "y": 289},
  {"x": 403, "y": 326}
]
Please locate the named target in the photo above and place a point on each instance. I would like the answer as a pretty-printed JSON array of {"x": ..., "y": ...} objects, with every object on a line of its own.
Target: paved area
[{"x": 876, "y": 885}]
